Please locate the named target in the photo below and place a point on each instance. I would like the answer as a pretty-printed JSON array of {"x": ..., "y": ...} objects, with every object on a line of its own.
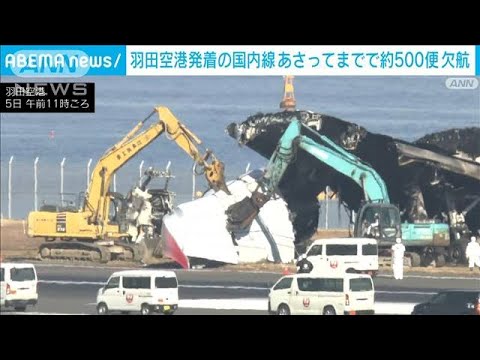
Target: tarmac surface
[{"x": 72, "y": 289}]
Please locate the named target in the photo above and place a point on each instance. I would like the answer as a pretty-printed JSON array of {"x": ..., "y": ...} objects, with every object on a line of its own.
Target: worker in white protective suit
[
  {"x": 472, "y": 253},
  {"x": 398, "y": 252}
]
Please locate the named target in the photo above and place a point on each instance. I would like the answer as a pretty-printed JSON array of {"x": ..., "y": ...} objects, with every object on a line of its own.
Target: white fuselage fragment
[{"x": 198, "y": 229}]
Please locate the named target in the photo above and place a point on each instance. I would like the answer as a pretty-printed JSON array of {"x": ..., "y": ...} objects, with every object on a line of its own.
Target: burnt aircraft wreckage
[{"x": 435, "y": 179}]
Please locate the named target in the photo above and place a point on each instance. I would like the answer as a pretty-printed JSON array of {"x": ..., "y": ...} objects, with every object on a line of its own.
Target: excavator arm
[
  {"x": 97, "y": 200},
  {"x": 215, "y": 170},
  {"x": 240, "y": 215}
]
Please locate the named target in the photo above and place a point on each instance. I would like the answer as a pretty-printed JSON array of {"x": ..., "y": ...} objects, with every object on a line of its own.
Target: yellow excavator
[{"x": 93, "y": 233}]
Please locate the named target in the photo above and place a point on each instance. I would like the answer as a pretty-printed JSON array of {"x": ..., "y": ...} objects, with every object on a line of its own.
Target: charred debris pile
[{"x": 435, "y": 177}]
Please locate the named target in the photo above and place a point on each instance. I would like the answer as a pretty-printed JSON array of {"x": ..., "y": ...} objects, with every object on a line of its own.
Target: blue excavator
[{"x": 376, "y": 217}]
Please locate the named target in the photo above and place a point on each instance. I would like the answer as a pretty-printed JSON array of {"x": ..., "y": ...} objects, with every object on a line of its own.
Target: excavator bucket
[
  {"x": 215, "y": 175},
  {"x": 241, "y": 214}
]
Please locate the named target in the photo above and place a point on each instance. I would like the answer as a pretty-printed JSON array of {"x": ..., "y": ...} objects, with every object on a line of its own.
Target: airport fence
[{"x": 26, "y": 187}]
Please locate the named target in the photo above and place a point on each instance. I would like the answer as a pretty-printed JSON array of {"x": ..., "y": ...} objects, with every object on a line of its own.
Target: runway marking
[
  {"x": 432, "y": 277},
  {"x": 405, "y": 292},
  {"x": 255, "y": 304},
  {"x": 391, "y": 308},
  {"x": 225, "y": 304},
  {"x": 38, "y": 313},
  {"x": 381, "y": 308},
  {"x": 62, "y": 282},
  {"x": 233, "y": 287}
]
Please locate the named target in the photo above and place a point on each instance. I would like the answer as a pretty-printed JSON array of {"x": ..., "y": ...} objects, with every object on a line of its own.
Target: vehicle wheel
[
  {"x": 20, "y": 308},
  {"x": 439, "y": 260},
  {"x": 427, "y": 257},
  {"x": 145, "y": 309},
  {"x": 328, "y": 310},
  {"x": 283, "y": 310},
  {"x": 102, "y": 309},
  {"x": 415, "y": 259},
  {"x": 456, "y": 253}
]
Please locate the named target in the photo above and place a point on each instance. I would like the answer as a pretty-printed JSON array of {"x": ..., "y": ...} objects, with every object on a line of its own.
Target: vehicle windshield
[
  {"x": 22, "y": 274},
  {"x": 389, "y": 218},
  {"x": 438, "y": 299},
  {"x": 361, "y": 284},
  {"x": 315, "y": 250},
  {"x": 285, "y": 283}
]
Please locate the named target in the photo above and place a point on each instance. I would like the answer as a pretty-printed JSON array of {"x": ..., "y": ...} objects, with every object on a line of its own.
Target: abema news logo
[{"x": 62, "y": 61}]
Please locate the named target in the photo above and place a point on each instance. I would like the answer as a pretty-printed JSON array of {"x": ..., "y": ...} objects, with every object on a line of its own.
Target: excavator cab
[
  {"x": 380, "y": 221},
  {"x": 117, "y": 210}
]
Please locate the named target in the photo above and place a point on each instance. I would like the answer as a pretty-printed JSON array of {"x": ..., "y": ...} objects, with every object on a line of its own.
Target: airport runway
[{"x": 72, "y": 289}]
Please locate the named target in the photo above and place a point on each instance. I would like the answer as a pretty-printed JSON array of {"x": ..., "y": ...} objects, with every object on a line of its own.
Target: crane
[{"x": 98, "y": 234}]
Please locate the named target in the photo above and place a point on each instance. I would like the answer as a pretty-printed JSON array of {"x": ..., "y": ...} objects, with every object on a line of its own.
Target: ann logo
[{"x": 462, "y": 83}]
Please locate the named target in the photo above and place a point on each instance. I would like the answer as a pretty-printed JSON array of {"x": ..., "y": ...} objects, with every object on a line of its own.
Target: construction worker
[
  {"x": 472, "y": 253},
  {"x": 398, "y": 251}
]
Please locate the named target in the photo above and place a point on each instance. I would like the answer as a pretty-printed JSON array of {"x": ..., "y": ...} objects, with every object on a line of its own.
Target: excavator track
[
  {"x": 131, "y": 252},
  {"x": 74, "y": 250}
]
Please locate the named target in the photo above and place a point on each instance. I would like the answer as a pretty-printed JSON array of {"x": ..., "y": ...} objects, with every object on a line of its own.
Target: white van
[
  {"x": 18, "y": 286},
  {"x": 309, "y": 294},
  {"x": 145, "y": 291},
  {"x": 352, "y": 255}
]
